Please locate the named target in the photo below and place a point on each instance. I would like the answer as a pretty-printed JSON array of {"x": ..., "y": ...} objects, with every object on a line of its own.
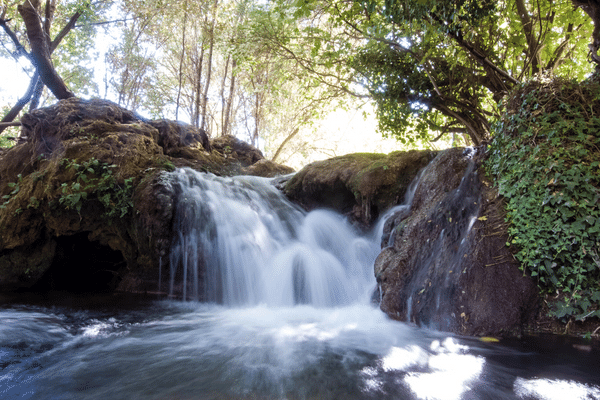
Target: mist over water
[{"x": 284, "y": 313}]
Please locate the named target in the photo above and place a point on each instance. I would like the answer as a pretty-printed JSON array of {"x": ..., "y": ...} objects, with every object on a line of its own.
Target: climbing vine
[{"x": 545, "y": 157}]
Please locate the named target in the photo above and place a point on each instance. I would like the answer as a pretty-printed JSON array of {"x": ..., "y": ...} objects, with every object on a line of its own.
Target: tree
[
  {"x": 131, "y": 62},
  {"x": 592, "y": 9},
  {"x": 289, "y": 83},
  {"x": 442, "y": 66},
  {"x": 39, "y": 41},
  {"x": 39, "y": 24}
]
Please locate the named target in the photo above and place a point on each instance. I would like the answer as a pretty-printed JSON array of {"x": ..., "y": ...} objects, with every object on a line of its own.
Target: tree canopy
[
  {"x": 437, "y": 66},
  {"x": 268, "y": 70}
]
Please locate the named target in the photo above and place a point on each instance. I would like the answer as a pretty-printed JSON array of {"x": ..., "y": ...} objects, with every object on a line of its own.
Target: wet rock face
[
  {"x": 361, "y": 186},
  {"x": 88, "y": 202},
  {"x": 447, "y": 266},
  {"x": 444, "y": 262}
]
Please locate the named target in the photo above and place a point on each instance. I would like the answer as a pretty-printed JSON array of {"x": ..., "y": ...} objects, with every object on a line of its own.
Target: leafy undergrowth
[
  {"x": 97, "y": 178},
  {"x": 545, "y": 157}
]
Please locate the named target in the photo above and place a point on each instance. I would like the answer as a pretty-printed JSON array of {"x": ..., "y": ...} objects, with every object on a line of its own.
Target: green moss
[{"x": 165, "y": 163}]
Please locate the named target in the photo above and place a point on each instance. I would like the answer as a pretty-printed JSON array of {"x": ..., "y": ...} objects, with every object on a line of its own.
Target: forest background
[
  {"x": 230, "y": 67},
  {"x": 281, "y": 74}
]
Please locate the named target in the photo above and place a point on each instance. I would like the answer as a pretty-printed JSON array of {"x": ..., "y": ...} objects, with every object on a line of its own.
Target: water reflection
[
  {"x": 451, "y": 371},
  {"x": 555, "y": 389},
  {"x": 167, "y": 350}
]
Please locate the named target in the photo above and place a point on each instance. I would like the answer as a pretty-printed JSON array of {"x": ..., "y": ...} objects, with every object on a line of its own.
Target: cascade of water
[
  {"x": 241, "y": 242},
  {"x": 397, "y": 213}
]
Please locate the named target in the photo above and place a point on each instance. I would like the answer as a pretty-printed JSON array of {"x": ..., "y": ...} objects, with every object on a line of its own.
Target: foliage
[
  {"x": 8, "y": 134},
  {"x": 546, "y": 158},
  {"x": 585, "y": 306},
  {"x": 433, "y": 67},
  {"x": 96, "y": 178},
  {"x": 438, "y": 66},
  {"x": 290, "y": 99},
  {"x": 15, "y": 186},
  {"x": 5, "y": 142},
  {"x": 73, "y": 58}
]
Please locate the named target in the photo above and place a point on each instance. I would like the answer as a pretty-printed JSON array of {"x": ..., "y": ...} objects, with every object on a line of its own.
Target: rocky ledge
[
  {"x": 444, "y": 262},
  {"x": 86, "y": 203}
]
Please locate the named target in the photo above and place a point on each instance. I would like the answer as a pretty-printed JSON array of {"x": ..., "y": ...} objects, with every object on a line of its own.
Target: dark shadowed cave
[{"x": 81, "y": 265}]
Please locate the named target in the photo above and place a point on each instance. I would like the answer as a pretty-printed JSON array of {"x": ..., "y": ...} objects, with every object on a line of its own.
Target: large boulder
[
  {"x": 444, "y": 261},
  {"x": 447, "y": 265},
  {"x": 87, "y": 201},
  {"x": 360, "y": 185}
]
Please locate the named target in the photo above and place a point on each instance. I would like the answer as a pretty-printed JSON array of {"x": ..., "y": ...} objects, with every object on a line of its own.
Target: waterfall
[{"x": 239, "y": 242}]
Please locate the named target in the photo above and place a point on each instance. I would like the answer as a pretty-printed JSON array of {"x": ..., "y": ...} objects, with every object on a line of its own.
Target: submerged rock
[{"x": 87, "y": 203}]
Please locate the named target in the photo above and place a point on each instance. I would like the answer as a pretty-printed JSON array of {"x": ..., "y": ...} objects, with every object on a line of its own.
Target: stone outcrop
[
  {"x": 359, "y": 185},
  {"x": 448, "y": 266},
  {"x": 444, "y": 261},
  {"x": 87, "y": 203}
]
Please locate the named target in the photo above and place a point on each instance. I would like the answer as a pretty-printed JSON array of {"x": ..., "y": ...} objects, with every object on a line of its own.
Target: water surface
[
  {"x": 280, "y": 309},
  {"x": 139, "y": 349}
]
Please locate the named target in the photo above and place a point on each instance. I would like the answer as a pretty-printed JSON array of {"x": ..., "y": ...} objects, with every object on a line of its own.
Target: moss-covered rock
[
  {"x": 87, "y": 196},
  {"x": 360, "y": 185}
]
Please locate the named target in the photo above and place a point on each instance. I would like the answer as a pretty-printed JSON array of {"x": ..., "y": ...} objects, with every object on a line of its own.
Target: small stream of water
[{"x": 284, "y": 313}]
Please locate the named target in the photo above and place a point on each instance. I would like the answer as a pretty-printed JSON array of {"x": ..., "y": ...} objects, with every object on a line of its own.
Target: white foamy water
[
  {"x": 287, "y": 316},
  {"x": 240, "y": 242}
]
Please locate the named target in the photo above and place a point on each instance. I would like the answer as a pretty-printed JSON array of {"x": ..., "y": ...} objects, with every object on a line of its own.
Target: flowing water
[{"x": 284, "y": 313}]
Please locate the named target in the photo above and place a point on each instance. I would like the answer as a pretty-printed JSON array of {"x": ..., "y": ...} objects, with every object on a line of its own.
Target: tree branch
[
  {"x": 527, "y": 24},
  {"x": 16, "y": 109},
  {"x": 48, "y": 17},
  {"x": 592, "y": 9},
  {"x": 13, "y": 37},
  {"x": 477, "y": 133},
  {"x": 40, "y": 51},
  {"x": 284, "y": 143},
  {"x": 4, "y": 125},
  {"x": 64, "y": 31},
  {"x": 480, "y": 58},
  {"x": 561, "y": 48}
]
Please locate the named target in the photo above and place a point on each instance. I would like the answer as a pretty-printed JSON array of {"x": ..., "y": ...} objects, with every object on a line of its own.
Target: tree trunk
[
  {"x": 181, "y": 59},
  {"x": 223, "y": 101},
  {"x": 209, "y": 66},
  {"x": 36, "y": 85},
  {"x": 16, "y": 109},
  {"x": 257, "y": 119},
  {"x": 532, "y": 44},
  {"x": 592, "y": 8},
  {"x": 198, "y": 91},
  {"x": 284, "y": 143},
  {"x": 37, "y": 94},
  {"x": 229, "y": 100},
  {"x": 40, "y": 50}
]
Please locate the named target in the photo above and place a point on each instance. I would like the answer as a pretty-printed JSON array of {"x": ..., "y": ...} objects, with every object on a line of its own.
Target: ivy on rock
[{"x": 545, "y": 156}]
